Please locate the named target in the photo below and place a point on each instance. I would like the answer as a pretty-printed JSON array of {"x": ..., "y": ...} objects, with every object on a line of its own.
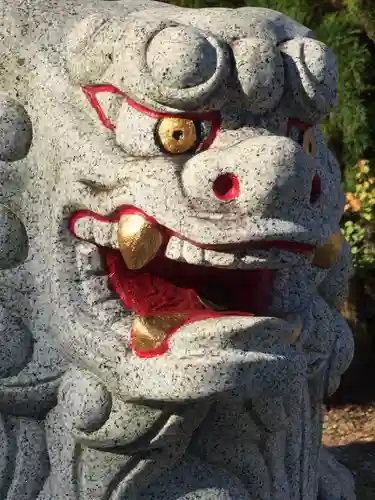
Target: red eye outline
[
  {"x": 302, "y": 128},
  {"x": 214, "y": 117},
  {"x": 294, "y": 123}
]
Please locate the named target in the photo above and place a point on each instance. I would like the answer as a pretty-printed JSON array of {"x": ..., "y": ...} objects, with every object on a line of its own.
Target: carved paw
[{"x": 95, "y": 417}]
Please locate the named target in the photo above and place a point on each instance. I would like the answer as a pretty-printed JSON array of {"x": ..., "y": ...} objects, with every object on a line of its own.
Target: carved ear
[
  {"x": 311, "y": 78},
  {"x": 89, "y": 48}
]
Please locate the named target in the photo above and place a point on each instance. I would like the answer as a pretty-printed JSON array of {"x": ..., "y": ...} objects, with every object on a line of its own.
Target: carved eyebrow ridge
[{"x": 91, "y": 92}]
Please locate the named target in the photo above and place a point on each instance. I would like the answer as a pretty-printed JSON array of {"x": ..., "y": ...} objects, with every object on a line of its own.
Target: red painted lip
[
  {"x": 164, "y": 286},
  {"x": 288, "y": 246}
]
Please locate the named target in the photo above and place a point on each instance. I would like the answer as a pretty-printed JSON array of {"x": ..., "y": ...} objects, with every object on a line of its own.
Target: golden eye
[
  {"x": 177, "y": 135},
  {"x": 309, "y": 145}
]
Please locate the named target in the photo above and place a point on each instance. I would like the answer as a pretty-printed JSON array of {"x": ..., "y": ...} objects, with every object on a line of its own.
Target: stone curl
[
  {"x": 89, "y": 47},
  {"x": 14, "y": 242},
  {"x": 260, "y": 73},
  {"x": 311, "y": 78},
  {"x": 15, "y": 130},
  {"x": 170, "y": 63}
]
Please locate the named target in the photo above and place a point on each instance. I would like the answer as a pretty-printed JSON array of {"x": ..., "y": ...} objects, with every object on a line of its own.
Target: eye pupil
[
  {"x": 309, "y": 144},
  {"x": 178, "y": 135}
]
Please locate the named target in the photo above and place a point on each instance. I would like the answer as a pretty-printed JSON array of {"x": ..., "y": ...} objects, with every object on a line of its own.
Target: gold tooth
[
  {"x": 149, "y": 332},
  {"x": 139, "y": 240},
  {"x": 326, "y": 255},
  {"x": 294, "y": 319}
]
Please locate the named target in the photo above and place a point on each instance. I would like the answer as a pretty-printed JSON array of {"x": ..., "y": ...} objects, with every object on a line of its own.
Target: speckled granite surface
[{"x": 171, "y": 262}]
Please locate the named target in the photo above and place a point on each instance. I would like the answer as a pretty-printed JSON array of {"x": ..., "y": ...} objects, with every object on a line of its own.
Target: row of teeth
[
  {"x": 139, "y": 241},
  {"x": 109, "y": 309},
  {"x": 184, "y": 251}
]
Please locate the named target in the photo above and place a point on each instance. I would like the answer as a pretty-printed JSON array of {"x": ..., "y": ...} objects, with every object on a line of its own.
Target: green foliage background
[{"x": 348, "y": 27}]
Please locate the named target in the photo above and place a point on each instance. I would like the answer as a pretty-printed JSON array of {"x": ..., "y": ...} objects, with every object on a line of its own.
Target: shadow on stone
[
  {"x": 357, "y": 385},
  {"x": 359, "y": 457}
]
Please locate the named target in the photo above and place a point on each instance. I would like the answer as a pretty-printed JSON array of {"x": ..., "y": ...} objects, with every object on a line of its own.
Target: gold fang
[
  {"x": 149, "y": 332},
  {"x": 326, "y": 255},
  {"x": 291, "y": 318},
  {"x": 139, "y": 240},
  {"x": 296, "y": 321}
]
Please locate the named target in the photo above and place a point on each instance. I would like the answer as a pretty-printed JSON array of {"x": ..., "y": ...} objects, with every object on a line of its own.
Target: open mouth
[{"x": 165, "y": 293}]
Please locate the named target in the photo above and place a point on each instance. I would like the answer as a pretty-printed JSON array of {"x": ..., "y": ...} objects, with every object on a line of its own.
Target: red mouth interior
[{"x": 165, "y": 286}]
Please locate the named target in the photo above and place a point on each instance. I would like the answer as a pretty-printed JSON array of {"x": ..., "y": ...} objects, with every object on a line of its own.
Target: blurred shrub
[{"x": 358, "y": 224}]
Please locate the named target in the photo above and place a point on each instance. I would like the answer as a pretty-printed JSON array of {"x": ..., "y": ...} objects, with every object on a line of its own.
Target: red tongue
[
  {"x": 147, "y": 294},
  {"x": 168, "y": 287}
]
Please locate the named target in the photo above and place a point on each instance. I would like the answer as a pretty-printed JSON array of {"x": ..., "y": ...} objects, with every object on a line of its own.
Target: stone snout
[
  {"x": 262, "y": 176},
  {"x": 244, "y": 188}
]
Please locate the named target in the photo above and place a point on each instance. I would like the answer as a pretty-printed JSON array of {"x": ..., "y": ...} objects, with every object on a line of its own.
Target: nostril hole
[
  {"x": 316, "y": 189},
  {"x": 226, "y": 187}
]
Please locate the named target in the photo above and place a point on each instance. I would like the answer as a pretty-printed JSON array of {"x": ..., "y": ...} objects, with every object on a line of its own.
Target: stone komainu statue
[{"x": 170, "y": 254}]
